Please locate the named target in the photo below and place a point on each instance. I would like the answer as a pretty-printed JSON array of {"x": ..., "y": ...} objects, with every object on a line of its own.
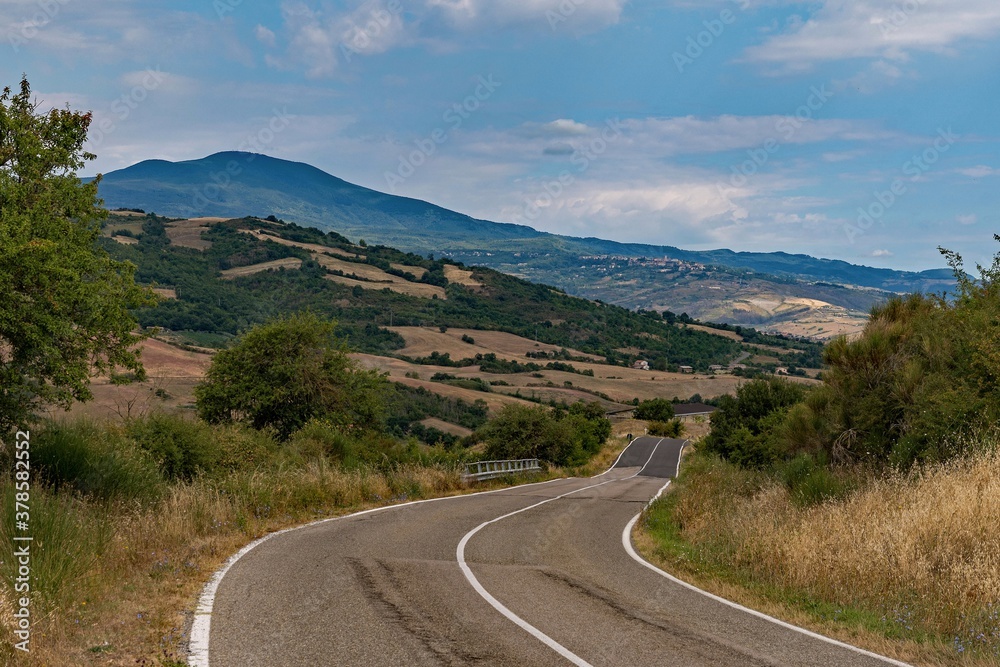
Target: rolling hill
[{"x": 762, "y": 289}]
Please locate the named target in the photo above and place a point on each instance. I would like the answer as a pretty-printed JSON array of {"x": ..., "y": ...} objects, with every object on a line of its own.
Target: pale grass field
[
  {"x": 187, "y": 233},
  {"x": 420, "y": 290},
  {"x": 920, "y": 550},
  {"x": 239, "y": 271},
  {"x": 460, "y": 276},
  {"x": 311, "y": 247}
]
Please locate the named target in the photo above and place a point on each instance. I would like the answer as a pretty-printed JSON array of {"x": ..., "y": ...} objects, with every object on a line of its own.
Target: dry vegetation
[
  {"x": 420, "y": 342},
  {"x": 172, "y": 375},
  {"x": 403, "y": 287},
  {"x": 460, "y": 276},
  {"x": 913, "y": 558},
  {"x": 187, "y": 233},
  {"x": 286, "y": 263},
  {"x": 122, "y": 581},
  {"x": 311, "y": 247}
]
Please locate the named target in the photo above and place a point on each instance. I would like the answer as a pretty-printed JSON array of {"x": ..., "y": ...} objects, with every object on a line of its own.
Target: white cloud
[
  {"x": 478, "y": 15},
  {"x": 881, "y": 253},
  {"x": 970, "y": 219},
  {"x": 979, "y": 171},
  {"x": 265, "y": 36},
  {"x": 886, "y": 29},
  {"x": 322, "y": 40}
]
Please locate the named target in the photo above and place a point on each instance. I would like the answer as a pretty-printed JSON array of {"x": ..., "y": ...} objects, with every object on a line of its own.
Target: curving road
[{"x": 532, "y": 575}]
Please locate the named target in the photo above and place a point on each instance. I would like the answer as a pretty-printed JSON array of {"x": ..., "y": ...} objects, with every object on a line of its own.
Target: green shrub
[
  {"x": 670, "y": 429},
  {"x": 68, "y": 539},
  {"x": 810, "y": 481},
  {"x": 745, "y": 428},
  {"x": 655, "y": 410},
  {"x": 95, "y": 461},
  {"x": 239, "y": 447},
  {"x": 182, "y": 448},
  {"x": 563, "y": 437}
]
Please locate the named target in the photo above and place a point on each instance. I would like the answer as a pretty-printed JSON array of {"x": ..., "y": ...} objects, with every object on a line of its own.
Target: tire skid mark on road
[
  {"x": 499, "y": 606},
  {"x": 201, "y": 625},
  {"x": 381, "y": 585},
  {"x": 682, "y": 639}
]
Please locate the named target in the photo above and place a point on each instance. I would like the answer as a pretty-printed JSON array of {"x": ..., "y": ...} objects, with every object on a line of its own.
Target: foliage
[
  {"x": 407, "y": 406},
  {"x": 181, "y": 448},
  {"x": 504, "y": 303},
  {"x": 284, "y": 373},
  {"x": 744, "y": 426},
  {"x": 562, "y": 437},
  {"x": 924, "y": 372},
  {"x": 64, "y": 303},
  {"x": 667, "y": 429},
  {"x": 656, "y": 409},
  {"x": 96, "y": 462}
]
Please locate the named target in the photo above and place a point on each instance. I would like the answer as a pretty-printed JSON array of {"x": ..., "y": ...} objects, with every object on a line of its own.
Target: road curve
[{"x": 532, "y": 575}]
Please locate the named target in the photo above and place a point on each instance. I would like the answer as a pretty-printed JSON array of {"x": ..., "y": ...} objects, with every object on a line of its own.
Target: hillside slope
[{"x": 233, "y": 184}]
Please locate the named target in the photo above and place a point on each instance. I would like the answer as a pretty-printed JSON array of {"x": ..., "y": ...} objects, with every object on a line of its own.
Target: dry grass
[
  {"x": 417, "y": 271},
  {"x": 187, "y": 233},
  {"x": 916, "y": 557},
  {"x": 132, "y": 604},
  {"x": 125, "y": 240},
  {"x": 460, "y": 276},
  {"x": 287, "y": 263},
  {"x": 420, "y": 342},
  {"x": 403, "y": 287},
  {"x": 446, "y": 427},
  {"x": 731, "y": 335},
  {"x": 311, "y": 247}
]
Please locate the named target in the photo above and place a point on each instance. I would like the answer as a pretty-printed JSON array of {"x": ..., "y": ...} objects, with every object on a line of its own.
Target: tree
[
  {"x": 563, "y": 437},
  {"x": 655, "y": 410},
  {"x": 285, "y": 372},
  {"x": 64, "y": 303}
]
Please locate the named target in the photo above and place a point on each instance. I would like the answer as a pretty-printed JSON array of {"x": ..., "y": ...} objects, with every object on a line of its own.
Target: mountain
[{"x": 234, "y": 184}]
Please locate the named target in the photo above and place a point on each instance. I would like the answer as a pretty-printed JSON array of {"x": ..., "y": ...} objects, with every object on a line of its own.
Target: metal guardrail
[{"x": 489, "y": 469}]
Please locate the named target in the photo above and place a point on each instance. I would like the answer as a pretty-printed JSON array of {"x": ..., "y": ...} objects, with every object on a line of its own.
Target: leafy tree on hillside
[
  {"x": 924, "y": 370},
  {"x": 64, "y": 303},
  {"x": 744, "y": 426},
  {"x": 283, "y": 373},
  {"x": 655, "y": 410},
  {"x": 563, "y": 437}
]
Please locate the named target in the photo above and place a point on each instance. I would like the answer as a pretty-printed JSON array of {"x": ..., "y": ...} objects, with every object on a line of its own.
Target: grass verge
[
  {"x": 129, "y": 522},
  {"x": 904, "y": 565}
]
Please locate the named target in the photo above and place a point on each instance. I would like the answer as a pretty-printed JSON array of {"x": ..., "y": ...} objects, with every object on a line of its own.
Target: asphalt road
[{"x": 459, "y": 582}]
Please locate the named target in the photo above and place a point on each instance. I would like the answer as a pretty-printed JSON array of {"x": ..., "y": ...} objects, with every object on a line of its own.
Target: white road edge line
[
  {"x": 617, "y": 459},
  {"x": 499, "y": 606},
  {"x": 201, "y": 626},
  {"x": 627, "y": 543}
]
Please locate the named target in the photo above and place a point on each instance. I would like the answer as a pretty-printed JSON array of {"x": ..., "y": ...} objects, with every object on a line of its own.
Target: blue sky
[{"x": 860, "y": 130}]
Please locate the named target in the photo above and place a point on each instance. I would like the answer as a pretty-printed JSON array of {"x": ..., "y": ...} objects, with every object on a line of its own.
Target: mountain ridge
[
  {"x": 739, "y": 287},
  {"x": 120, "y": 188}
]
